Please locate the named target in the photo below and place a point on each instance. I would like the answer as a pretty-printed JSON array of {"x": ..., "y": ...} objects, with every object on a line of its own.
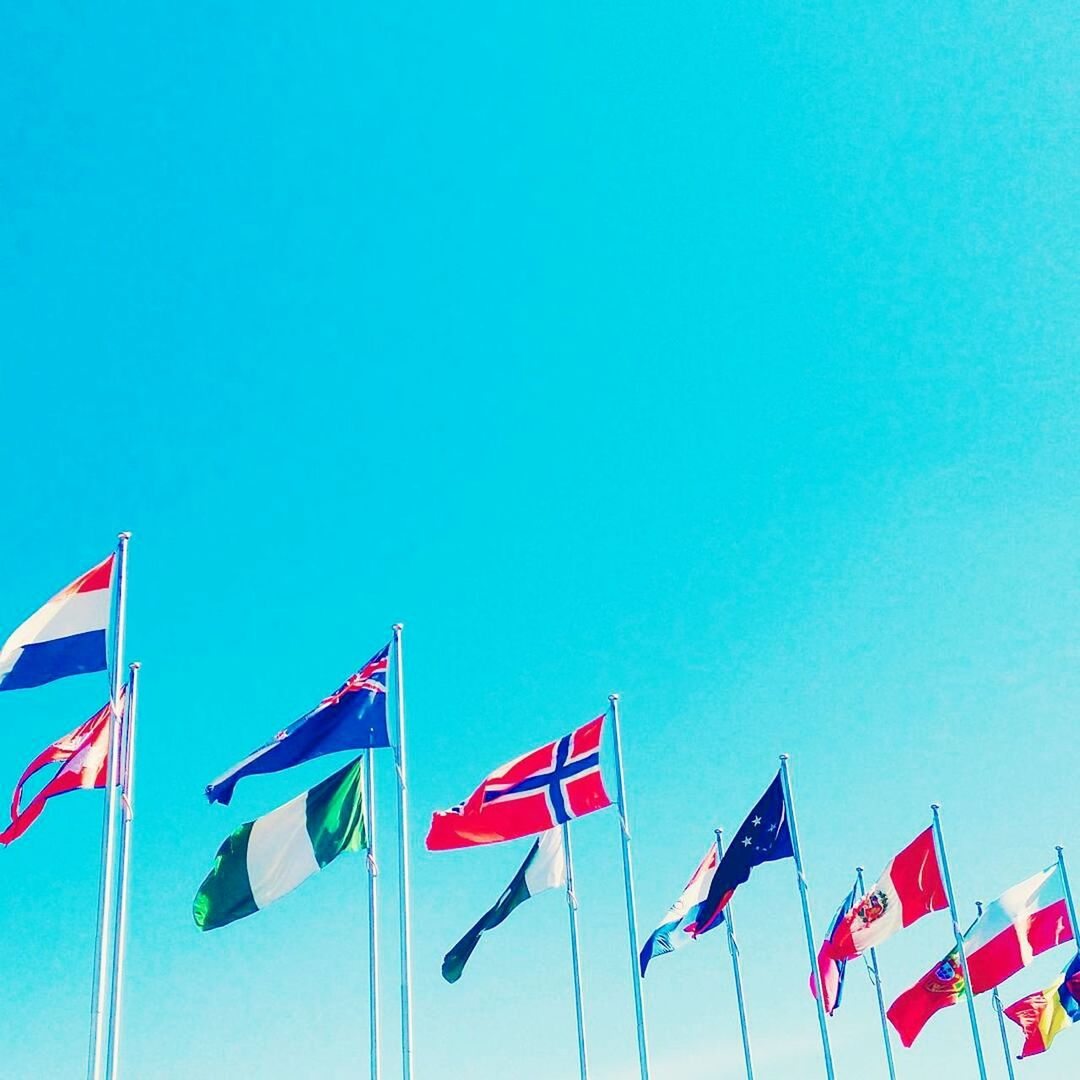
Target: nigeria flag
[{"x": 267, "y": 858}]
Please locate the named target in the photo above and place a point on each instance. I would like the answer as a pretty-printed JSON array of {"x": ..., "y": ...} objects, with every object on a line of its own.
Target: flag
[
  {"x": 762, "y": 837},
  {"x": 82, "y": 756},
  {"x": 830, "y": 968},
  {"x": 1041, "y": 1016},
  {"x": 940, "y": 987},
  {"x": 910, "y": 887},
  {"x": 531, "y": 794},
  {"x": 544, "y": 868},
  {"x": 65, "y": 637},
  {"x": 351, "y": 718},
  {"x": 682, "y": 915},
  {"x": 266, "y": 858},
  {"x": 1020, "y": 924}
]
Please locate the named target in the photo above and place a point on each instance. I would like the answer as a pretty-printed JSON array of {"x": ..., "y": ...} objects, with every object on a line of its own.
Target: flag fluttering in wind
[
  {"x": 910, "y": 887},
  {"x": 531, "y": 794},
  {"x": 940, "y": 987},
  {"x": 351, "y": 718},
  {"x": 544, "y": 868},
  {"x": 830, "y": 969},
  {"x": 1022, "y": 923},
  {"x": 1044, "y": 1015},
  {"x": 82, "y": 756},
  {"x": 267, "y": 858},
  {"x": 680, "y": 923},
  {"x": 64, "y": 637},
  {"x": 762, "y": 837}
]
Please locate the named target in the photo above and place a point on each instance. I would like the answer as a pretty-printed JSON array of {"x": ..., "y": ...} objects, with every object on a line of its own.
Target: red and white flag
[
  {"x": 535, "y": 792},
  {"x": 910, "y": 887},
  {"x": 82, "y": 755},
  {"x": 1020, "y": 924}
]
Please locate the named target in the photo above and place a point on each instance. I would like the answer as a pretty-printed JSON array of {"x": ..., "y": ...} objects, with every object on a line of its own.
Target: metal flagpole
[
  {"x": 127, "y": 816},
  {"x": 571, "y": 903},
  {"x": 1068, "y": 891},
  {"x": 996, "y": 1002},
  {"x": 733, "y": 948},
  {"x": 875, "y": 975},
  {"x": 628, "y": 880},
  {"x": 373, "y": 912},
  {"x": 789, "y": 804},
  {"x": 403, "y": 866},
  {"x": 98, "y": 1040},
  {"x": 959, "y": 936}
]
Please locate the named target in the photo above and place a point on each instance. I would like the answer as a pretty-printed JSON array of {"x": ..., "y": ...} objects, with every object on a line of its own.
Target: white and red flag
[
  {"x": 910, "y": 887},
  {"x": 535, "y": 792},
  {"x": 82, "y": 756},
  {"x": 1020, "y": 924}
]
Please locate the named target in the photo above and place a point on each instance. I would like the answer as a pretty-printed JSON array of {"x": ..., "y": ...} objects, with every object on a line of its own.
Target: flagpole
[
  {"x": 733, "y": 948},
  {"x": 628, "y": 881},
  {"x": 959, "y": 936},
  {"x": 789, "y": 804},
  {"x": 875, "y": 975},
  {"x": 127, "y": 816},
  {"x": 1068, "y": 891},
  {"x": 403, "y": 866},
  {"x": 571, "y": 903},
  {"x": 996, "y": 1002},
  {"x": 96, "y": 1063},
  {"x": 373, "y": 913}
]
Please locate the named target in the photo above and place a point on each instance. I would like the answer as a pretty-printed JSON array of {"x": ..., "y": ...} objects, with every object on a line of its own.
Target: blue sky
[{"x": 722, "y": 355}]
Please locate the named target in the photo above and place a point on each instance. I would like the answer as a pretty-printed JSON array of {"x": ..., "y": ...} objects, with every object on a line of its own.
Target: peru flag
[
  {"x": 530, "y": 794},
  {"x": 65, "y": 637},
  {"x": 1020, "y": 924},
  {"x": 81, "y": 755},
  {"x": 909, "y": 888}
]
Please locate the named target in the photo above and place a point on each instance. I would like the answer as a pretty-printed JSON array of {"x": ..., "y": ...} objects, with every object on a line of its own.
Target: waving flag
[
  {"x": 351, "y": 718},
  {"x": 65, "y": 637},
  {"x": 544, "y": 868},
  {"x": 1043, "y": 1015},
  {"x": 909, "y": 888},
  {"x": 941, "y": 987},
  {"x": 531, "y": 794},
  {"x": 81, "y": 755},
  {"x": 762, "y": 837},
  {"x": 682, "y": 915},
  {"x": 831, "y": 969}
]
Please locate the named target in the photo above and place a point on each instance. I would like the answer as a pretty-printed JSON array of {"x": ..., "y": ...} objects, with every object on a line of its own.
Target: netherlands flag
[{"x": 65, "y": 637}]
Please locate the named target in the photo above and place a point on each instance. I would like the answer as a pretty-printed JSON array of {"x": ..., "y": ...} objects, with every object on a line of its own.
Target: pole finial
[
  {"x": 859, "y": 870},
  {"x": 123, "y": 536},
  {"x": 935, "y": 807},
  {"x": 135, "y": 665},
  {"x": 613, "y": 697},
  {"x": 398, "y": 627},
  {"x": 1059, "y": 848},
  {"x": 785, "y": 757},
  {"x": 719, "y": 832}
]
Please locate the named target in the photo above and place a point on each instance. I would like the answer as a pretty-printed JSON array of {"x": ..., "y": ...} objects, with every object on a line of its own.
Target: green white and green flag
[
  {"x": 544, "y": 868},
  {"x": 268, "y": 857}
]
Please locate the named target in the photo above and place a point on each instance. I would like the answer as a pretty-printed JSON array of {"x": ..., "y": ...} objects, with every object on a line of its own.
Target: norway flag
[
  {"x": 64, "y": 637},
  {"x": 535, "y": 792}
]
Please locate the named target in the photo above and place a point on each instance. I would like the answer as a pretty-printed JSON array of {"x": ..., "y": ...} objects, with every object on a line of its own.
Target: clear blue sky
[{"x": 720, "y": 354}]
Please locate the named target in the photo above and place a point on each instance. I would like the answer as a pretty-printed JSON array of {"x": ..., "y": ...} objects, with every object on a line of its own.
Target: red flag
[
  {"x": 940, "y": 987},
  {"x": 530, "y": 794},
  {"x": 81, "y": 755}
]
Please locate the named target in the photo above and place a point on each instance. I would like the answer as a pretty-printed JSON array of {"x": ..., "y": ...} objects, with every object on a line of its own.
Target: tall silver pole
[
  {"x": 958, "y": 934},
  {"x": 875, "y": 975},
  {"x": 733, "y": 948},
  {"x": 804, "y": 897},
  {"x": 98, "y": 1039},
  {"x": 403, "y": 866},
  {"x": 1068, "y": 893},
  {"x": 628, "y": 880},
  {"x": 571, "y": 903},
  {"x": 127, "y": 816},
  {"x": 373, "y": 913},
  {"x": 995, "y": 1000}
]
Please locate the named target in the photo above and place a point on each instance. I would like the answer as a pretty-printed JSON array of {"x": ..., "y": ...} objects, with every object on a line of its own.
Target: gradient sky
[{"x": 720, "y": 354}]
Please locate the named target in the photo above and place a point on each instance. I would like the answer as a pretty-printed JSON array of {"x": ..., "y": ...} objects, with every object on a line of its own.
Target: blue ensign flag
[{"x": 351, "y": 718}]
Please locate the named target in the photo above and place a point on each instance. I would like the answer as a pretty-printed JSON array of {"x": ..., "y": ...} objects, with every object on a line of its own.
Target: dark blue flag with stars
[
  {"x": 762, "y": 837},
  {"x": 351, "y": 718}
]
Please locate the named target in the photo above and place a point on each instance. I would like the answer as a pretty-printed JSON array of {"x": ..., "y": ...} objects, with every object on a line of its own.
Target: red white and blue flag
[
  {"x": 535, "y": 792},
  {"x": 64, "y": 637}
]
